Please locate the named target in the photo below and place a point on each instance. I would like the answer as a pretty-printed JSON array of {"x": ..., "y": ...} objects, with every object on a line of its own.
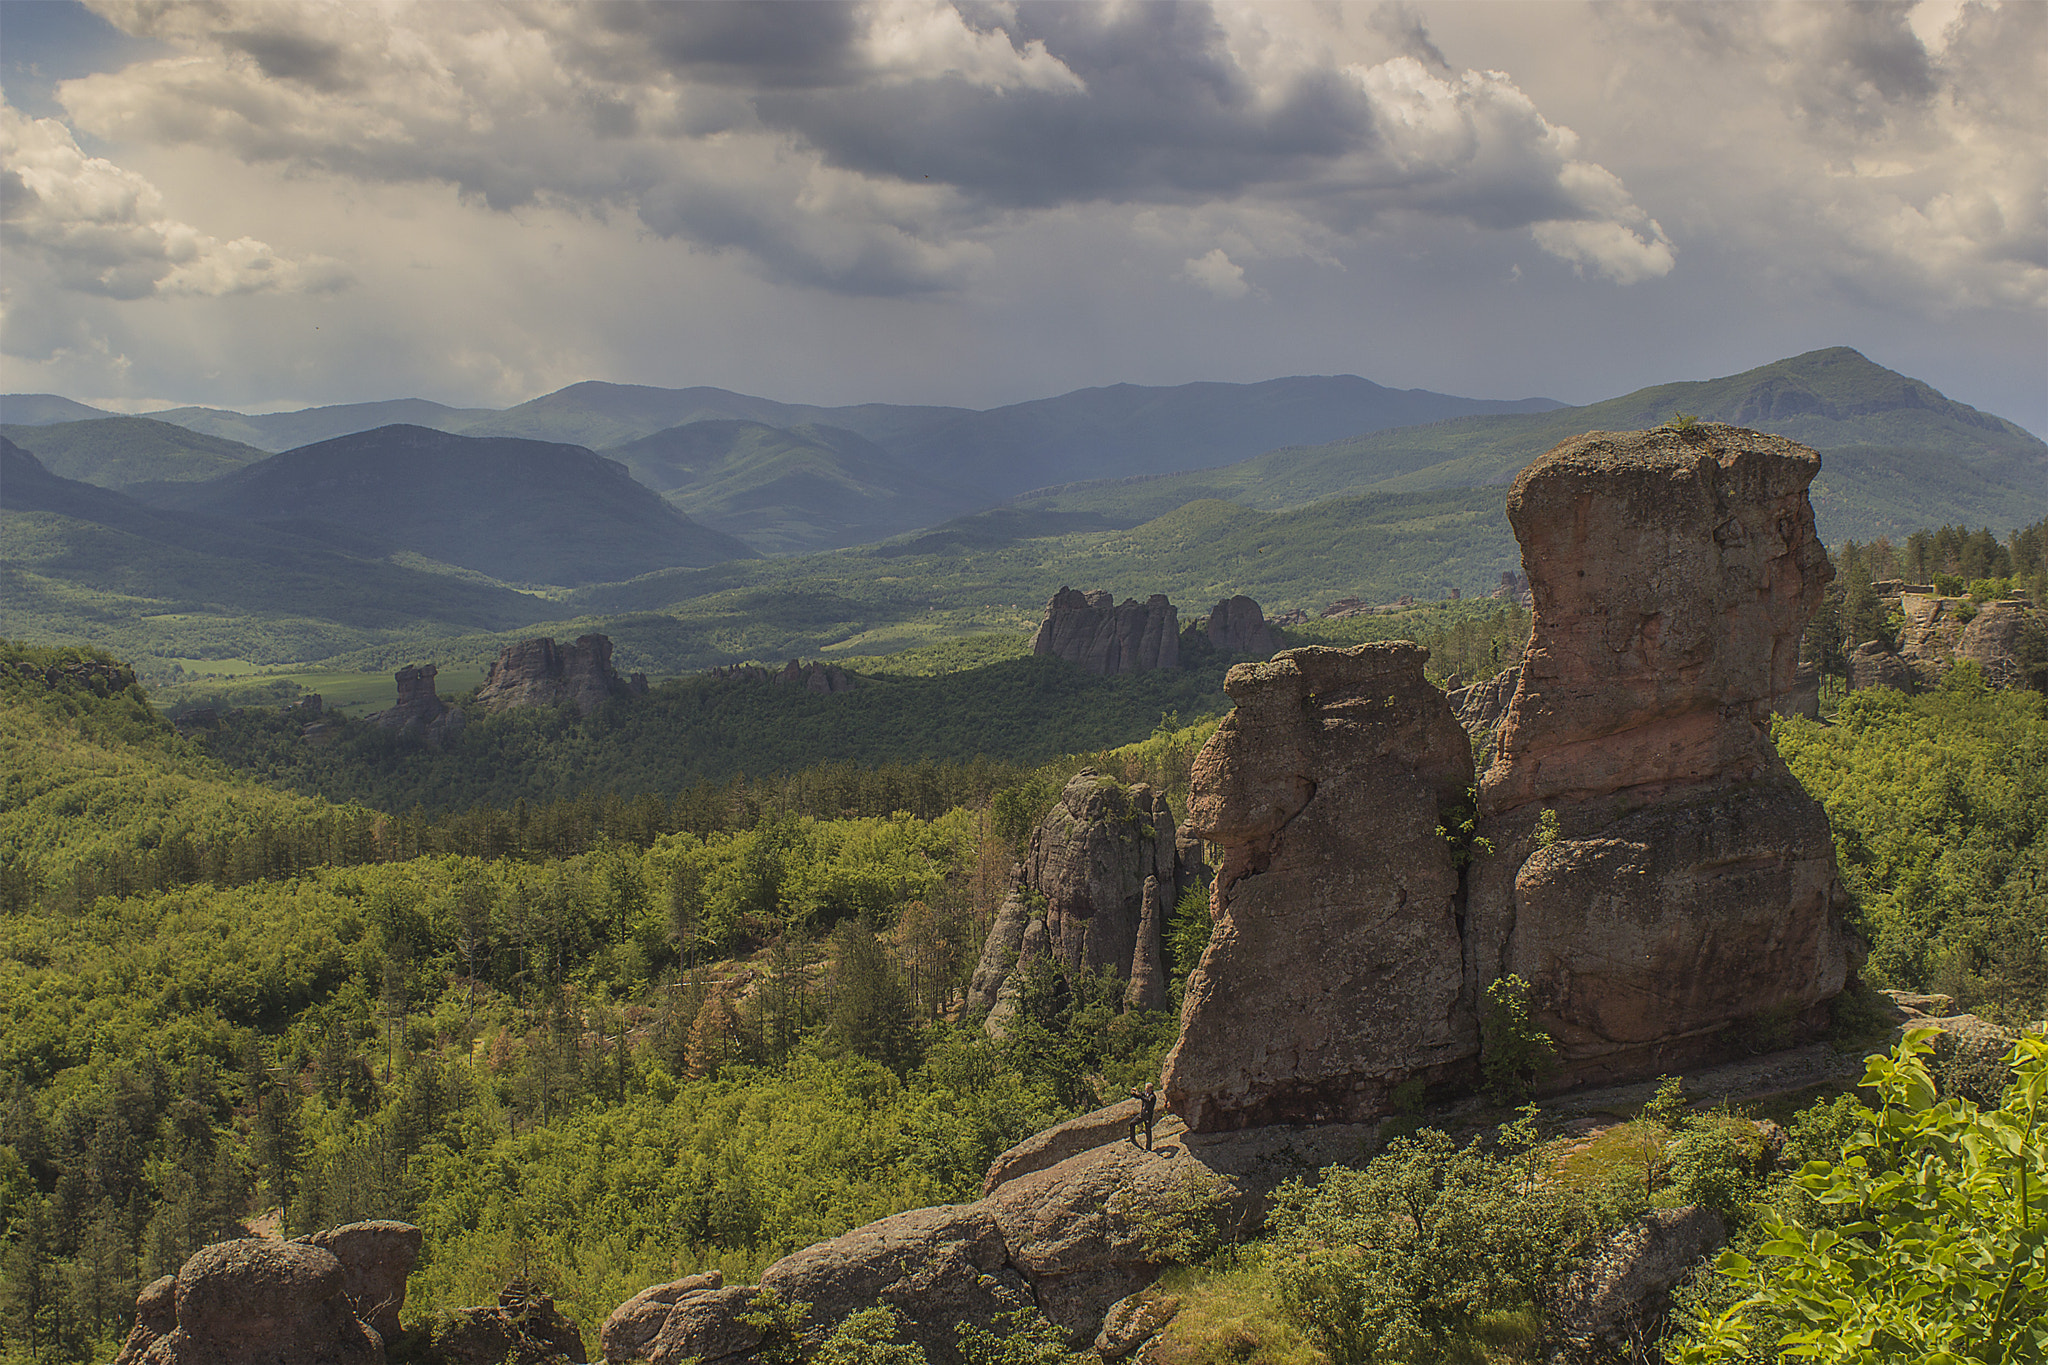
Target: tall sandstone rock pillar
[
  {"x": 1334, "y": 970},
  {"x": 1657, "y": 874}
]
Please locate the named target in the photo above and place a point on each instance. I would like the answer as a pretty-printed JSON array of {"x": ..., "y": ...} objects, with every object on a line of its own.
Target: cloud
[
  {"x": 884, "y": 148},
  {"x": 100, "y": 229},
  {"x": 1890, "y": 151},
  {"x": 1218, "y": 274}
]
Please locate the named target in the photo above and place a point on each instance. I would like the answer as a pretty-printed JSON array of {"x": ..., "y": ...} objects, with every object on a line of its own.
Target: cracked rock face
[
  {"x": 1334, "y": 971},
  {"x": 1685, "y": 882},
  {"x": 1090, "y": 629},
  {"x": 539, "y": 672}
]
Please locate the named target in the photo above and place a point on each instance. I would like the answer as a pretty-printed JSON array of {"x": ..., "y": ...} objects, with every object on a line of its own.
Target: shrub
[
  {"x": 1938, "y": 1257},
  {"x": 868, "y": 1337},
  {"x": 1516, "y": 1054},
  {"x": 1406, "y": 1257}
]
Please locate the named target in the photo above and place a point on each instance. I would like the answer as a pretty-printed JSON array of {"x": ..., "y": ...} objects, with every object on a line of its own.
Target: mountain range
[{"x": 1299, "y": 489}]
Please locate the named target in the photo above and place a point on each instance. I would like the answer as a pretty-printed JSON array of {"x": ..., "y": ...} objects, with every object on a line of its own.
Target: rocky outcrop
[
  {"x": 156, "y": 1316},
  {"x": 1480, "y": 706},
  {"x": 1624, "y": 1289},
  {"x": 1089, "y": 629},
  {"x": 524, "y": 1326},
  {"x": 1080, "y": 892},
  {"x": 1657, "y": 874},
  {"x": 819, "y": 679},
  {"x": 376, "y": 1257},
  {"x": 1803, "y": 698},
  {"x": 2009, "y": 641},
  {"x": 253, "y": 1302},
  {"x": 331, "y": 1298},
  {"x": 1334, "y": 971},
  {"x": 1237, "y": 626},
  {"x": 629, "y": 1332},
  {"x": 419, "y": 713},
  {"x": 1147, "y": 988},
  {"x": 1873, "y": 664},
  {"x": 1075, "y": 1237},
  {"x": 539, "y": 672}
]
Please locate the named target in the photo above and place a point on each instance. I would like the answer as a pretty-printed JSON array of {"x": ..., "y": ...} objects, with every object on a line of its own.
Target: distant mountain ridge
[
  {"x": 518, "y": 511},
  {"x": 1896, "y": 453},
  {"x": 112, "y": 452}
]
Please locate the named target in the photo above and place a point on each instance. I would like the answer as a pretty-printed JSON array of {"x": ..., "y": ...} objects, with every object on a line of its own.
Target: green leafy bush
[
  {"x": 1937, "y": 1251},
  {"x": 1516, "y": 1055},
  {"x": 1400, "y": 1260}
]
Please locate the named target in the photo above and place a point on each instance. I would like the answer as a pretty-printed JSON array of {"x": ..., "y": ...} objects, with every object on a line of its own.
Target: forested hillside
[{"x": 602, "y": 1042}]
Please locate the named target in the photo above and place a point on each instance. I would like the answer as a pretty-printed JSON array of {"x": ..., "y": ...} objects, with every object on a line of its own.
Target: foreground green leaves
[{"x": 1943, "y": 1255}]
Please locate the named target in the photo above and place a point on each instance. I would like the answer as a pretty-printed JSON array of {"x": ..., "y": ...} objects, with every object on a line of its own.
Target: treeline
[{"x": 687, "y": 733}]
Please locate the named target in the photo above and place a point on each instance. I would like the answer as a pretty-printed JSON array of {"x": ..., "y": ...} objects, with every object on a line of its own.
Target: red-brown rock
[
  {"x": 539, "y": 672},
  {"x": 1657, "y": 872},
  {"x": 1334, "y": 971},
  {"x": 1238, "y": 626}
]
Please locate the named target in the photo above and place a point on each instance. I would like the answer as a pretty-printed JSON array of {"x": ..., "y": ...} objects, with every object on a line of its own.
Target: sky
[{"x": 270, "y": 205}]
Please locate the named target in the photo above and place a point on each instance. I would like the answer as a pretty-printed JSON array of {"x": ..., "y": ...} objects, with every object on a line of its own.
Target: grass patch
[{"x": 1229, "y": 1316}]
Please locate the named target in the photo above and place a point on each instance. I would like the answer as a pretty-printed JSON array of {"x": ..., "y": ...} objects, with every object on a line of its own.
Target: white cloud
[
  {"x": 1217, "y": 273},
  {"x": 100, "y": 229}
]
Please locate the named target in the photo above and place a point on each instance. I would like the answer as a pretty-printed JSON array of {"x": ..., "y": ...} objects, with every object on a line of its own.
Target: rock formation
[
  {"x": 524, "y": 1326},
  {"x": 376, "y": 1257},
  {"x": 1624, "y": 1289},
  {"x": 1238, "y": 626},
  {"x": 1334, "y": 971},
  {"x": 1080, "y": 894},
  {"x": 2009, "y": 641},
  {"x": 251, "y": 1302},
  {"x": 819, "y": 679},
  {"x": 1091, "y": 630},
  {"x": 1147, "y": 989},
  {"x": 419, "y": 712},
  {"x": 539, "y": 672},
  {"x": 1874, "y": 664},
  {"x": 1480, "y": 706},
  {"x": 1062, "y": 1227},
  {"x": 1657, "y": 874}
]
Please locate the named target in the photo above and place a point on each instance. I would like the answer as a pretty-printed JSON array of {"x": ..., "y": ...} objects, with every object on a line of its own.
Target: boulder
[
  {"x": 539, "y": 672},
  {"x": 376, "y": 1257},
  {"x": 1055, "y": 1144},
  {"x": 1334, "y": 971},
  {"x": 703, "y": 1327},
  {"x": 1657, "y": 874},
  {"x": 156, "y": 1315},
  {"x": 1932, "y": 628},
  {"x": 1623, "y": 1290},
  {"x": 1132, "y": 1322},
  {"x": 1088, "y": 865},
  {"x": 1873, "y": 664},
  {"x": 936, "y": 1266},
  {"x": 524, "y": 1327},
  {"x": 629, "y": 1333},
  {"x": 254, "y": 1302},
  {"x": 1089, "y": 629},
  {"x": 1237, "y": 626}
]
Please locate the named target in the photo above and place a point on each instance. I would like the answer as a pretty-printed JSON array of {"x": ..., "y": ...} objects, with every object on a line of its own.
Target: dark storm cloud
[{"x": 1165, "y": 116}]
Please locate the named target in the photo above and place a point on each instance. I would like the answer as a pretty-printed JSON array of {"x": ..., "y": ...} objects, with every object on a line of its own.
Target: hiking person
[{"x": 1146, "y": 1103}]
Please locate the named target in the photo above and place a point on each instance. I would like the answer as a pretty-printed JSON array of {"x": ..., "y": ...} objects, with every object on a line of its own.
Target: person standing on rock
[{"x": 1147, "y": 1102}]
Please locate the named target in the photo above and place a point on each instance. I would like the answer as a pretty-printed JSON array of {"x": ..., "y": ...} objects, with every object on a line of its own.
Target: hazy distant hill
[
  {"x": 519, "y": 511},
  {"x": 1896, "y": 454},
  {"x": 86, "y": 563},
  {"x": 42, "y": 409},
  {"x": 278, "y": 431},
  {"x": 788, "y": 490},
  {"x": 113, "y": 451}
]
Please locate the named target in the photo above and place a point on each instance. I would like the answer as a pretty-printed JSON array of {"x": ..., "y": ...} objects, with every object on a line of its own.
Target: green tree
[{"x": 1943, "y": 1256}]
